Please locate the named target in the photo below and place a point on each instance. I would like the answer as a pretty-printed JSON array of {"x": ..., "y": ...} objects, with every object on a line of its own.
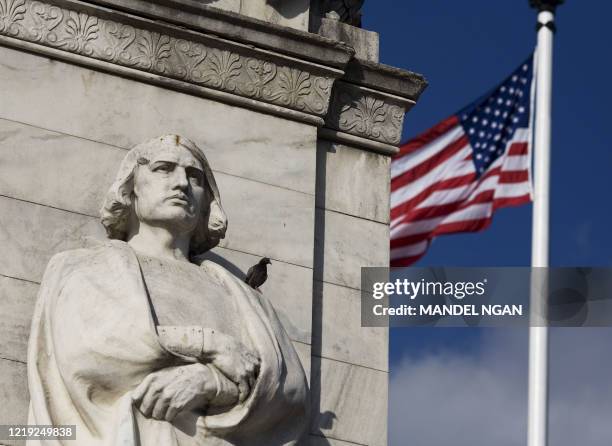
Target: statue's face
[{"x": 170, "y": 190}]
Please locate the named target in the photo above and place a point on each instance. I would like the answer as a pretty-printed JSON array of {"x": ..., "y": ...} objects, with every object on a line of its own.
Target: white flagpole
[{"x": 537, "y": 429}]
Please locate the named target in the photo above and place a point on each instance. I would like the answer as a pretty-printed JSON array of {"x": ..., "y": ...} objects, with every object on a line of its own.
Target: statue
[
  {"x": 348, "y": 11},
  {"x": 140, "y": 342}
]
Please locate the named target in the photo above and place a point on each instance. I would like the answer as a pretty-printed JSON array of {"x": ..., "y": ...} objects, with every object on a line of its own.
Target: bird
[{"x": 258, "y": 274}]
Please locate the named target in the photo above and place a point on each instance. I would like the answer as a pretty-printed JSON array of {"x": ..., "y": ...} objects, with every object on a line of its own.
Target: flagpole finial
[{"x": 545, "y": 5}]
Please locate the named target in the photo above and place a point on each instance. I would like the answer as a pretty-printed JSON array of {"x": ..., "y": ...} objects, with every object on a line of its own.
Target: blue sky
[{"x": 463, "y": 49}]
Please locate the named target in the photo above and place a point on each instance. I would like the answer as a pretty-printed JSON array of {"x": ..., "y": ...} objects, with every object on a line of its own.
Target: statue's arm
[
  {"x": 209, "y": 346},
  {"x": 232, "y": 359},
  {"x": 165, "y": 393}
]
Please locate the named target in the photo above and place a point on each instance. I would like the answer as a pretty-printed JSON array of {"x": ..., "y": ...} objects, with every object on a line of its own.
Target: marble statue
[
  {"x": 138, "y": 341},
  {"x": 348, "y": 11}
]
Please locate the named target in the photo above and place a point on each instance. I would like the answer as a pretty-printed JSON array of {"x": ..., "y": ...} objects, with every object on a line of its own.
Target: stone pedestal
[{"x": 299, "y": 134}]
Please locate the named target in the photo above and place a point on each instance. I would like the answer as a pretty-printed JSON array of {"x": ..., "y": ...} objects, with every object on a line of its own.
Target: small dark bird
[{"x": 258, "y": 274}]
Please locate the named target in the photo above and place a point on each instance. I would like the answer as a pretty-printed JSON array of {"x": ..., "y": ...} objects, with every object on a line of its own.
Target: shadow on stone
[
  {"x": 289, "y": 10},
  {"x": 319, "y": 419},
  {"x": 213, "y": 257}
]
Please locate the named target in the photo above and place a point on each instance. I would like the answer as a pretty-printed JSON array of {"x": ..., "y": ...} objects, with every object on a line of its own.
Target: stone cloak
[{"x": 93, "y": 340}]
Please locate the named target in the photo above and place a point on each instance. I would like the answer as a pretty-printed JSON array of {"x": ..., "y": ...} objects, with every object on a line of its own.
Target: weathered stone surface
[
  {"x": 367, "y": 113},
  {"x": 30, "y": 159},
  {"x": 293, "y": 13},
  {"x": 121, "y": 112},
  {"x": 197, "y": 15},
  {"x": 365, "y": 43},
  {"x": 348, "y": 12},
  {"x": 30, "y": 234},
  {"x": 353, "y": 181},
  {"x": 338, "y": 333},
  {"x": 95, "y": 36},
  {"x": 351, "y": 402},
  {"x": 289, "y": 289},
  {"x": 17, "y": 299},
  {"x": 13, "y": 393},
  {"x": 285, "y": 233},
  {"x": 349, "y": 243},
  {"x": 268, "y": 221},
  {"x": 304, "y": 351},
  {"x": 226, "y": 5},
  {"x": 392, "y": 80}
]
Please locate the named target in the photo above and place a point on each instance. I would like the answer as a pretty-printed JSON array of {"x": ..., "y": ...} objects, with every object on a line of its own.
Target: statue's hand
[
  {"x": 165, "y": 393},
  {"x": 233, "y": 359}
]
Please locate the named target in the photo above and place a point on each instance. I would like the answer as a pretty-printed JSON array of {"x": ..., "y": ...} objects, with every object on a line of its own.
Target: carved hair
[{"x": 117, "y": 205}]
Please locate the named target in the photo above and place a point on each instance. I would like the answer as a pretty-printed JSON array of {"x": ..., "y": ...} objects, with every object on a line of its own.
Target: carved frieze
[
  {"x": 11, "y": 13},
  {"x": 365, "y": 113},
  {"x": 196, "y": 59},
  {"x": 365, "y": 108}
]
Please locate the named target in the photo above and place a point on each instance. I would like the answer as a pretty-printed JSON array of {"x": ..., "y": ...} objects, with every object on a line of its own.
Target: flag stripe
[
  {"x": 438, "y": 153},
  {"x": 516, "y": 162},
  {"x": 519, "y": 148},
  {"x": 412, "y": 250},
  {"x": 452, "y": 177},
  {"x": 398, "y": 211},
  {"x": 408, "y": 161},
  {"x": 454, "y": 167},
  {"x": 430, "y": 135},
  {"x": 431, "y": 163}
]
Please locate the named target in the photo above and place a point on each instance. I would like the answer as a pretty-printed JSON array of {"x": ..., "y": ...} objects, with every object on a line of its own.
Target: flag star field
[{"x": 491, "y": 122}]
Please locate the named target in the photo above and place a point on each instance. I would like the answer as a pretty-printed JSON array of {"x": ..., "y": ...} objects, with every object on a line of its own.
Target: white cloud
[{"x": 481, "y": 399}]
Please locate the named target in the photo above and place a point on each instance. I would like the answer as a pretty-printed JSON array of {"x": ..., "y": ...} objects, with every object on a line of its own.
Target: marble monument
[{"x": 289, "y": 103}]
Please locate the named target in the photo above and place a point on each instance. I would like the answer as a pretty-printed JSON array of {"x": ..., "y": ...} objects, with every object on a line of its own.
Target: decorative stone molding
[
  {"x": 198, "y": 16},
  {"x": 385, "y": 78},
  {"x": 71, "y": 28},
  {"x": 359, "y": 114},
  {"x": 189, "y": 47}
]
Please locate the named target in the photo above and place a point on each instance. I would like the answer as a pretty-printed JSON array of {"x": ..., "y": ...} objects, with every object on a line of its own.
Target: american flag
[{"x": 452, "y": 177}]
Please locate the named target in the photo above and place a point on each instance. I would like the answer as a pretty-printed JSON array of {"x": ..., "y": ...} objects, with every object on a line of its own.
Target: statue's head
[{"x": 166, "y": 182}]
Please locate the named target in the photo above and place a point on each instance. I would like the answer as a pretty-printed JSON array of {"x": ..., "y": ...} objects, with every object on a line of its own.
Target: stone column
[{"x": 362, "y": 130}]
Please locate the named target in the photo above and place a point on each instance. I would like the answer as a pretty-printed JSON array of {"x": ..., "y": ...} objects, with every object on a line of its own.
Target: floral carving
[
  {"x": 11, "y": 12},
  {"x": 120, "y": 38},
  {"x": 154, "y": 49},
  {"x": 191, "y": 56},
  {"x": 225, "y": 66},
  {"x": 322, "y": 89},
  {"x": 366, "y": 115},
  {"x": 221, "y": 70},
  {"x": 260, "y": 73},
  {"x": 46, "y": 18},
  {"x": 81, "y": 29},
  {"x": 293, "y": 86},
  {"x": 394, "y": 131}
]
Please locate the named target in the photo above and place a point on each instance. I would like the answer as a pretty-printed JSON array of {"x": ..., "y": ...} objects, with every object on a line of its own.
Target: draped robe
[{"x": 93, "y": 340}]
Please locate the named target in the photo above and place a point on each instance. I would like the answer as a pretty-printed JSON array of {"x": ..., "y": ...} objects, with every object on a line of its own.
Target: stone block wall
[{"x": 349, "y": 362}]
